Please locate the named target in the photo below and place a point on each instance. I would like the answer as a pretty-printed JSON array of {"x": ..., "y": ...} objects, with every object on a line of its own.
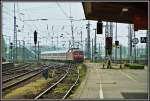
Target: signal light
[
  {"x": 11, "y": 45},
  {"x": 99, "y": 27},
  {"x": 117, "y": 43},
  {"x": 109, "y": 45},
  {"x": 35, "y": 37}
]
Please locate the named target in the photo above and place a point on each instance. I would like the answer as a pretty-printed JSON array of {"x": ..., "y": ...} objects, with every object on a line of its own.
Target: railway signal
[
  {"x": 35, "y": 41},
  {"x": 99, "y": 27},
  {"x": 35, "y": 37},
  {"x": 117, "y": 43},
  {"x": 11, "y": 45},
  {"x": 109, "y": 45}
]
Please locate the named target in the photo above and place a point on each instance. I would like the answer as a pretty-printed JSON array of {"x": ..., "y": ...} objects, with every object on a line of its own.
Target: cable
[
  {"x": 70, "y": 9},
  {"x": 7, "y": 18},
  {"x": 11, "y": 11},
  {"x": 7, "y": 29},
  {"x": 12, "y": 16},
  {"x": 30, "y": 18},
  {"x": 8, "y": 9},
  {"x": 18, "y": 11},
  {"x": 62, "y": 10}
]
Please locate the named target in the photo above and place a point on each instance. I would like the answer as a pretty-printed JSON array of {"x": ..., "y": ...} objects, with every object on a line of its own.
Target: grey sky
[{"x": 57, "y": 14}]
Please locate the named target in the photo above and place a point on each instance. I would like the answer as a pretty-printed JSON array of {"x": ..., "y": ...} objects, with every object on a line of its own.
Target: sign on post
[
  {"x": 135, "y": 41},
  {"x": 143, "y": 39}
]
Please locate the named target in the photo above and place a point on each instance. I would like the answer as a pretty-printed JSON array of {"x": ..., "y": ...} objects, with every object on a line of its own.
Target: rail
[
  {"x": 9, "y": 71},
  {"x": 64, "y": 97},
  {"x": 48, "y": 89},
  {"x": 20, "y": 81},
  {"x": 4, "y": 81}
]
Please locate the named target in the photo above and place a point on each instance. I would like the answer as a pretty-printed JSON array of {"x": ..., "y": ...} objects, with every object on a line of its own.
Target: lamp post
[{"x": 15, "y": 36}]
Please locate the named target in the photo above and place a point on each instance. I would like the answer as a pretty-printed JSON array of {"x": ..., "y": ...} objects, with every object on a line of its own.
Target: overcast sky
[{"x": 57, "y": 14}]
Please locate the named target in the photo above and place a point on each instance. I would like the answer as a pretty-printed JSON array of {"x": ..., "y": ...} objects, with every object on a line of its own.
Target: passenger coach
[{"x": 73, "y": 54}]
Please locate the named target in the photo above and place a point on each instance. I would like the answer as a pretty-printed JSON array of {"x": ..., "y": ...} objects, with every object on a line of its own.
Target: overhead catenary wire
[
  {"x": 12, "y": 16},
  {"x": 10, "y": 10},
  {"x": 62, "y": 10},
  {"x": 19, "y": 13},
  {"x": 70, "y": 18},
  {"x": 7, "y": 29},
  {"x": 29, "y": 17},
  {"x": 30, "y": 25}
]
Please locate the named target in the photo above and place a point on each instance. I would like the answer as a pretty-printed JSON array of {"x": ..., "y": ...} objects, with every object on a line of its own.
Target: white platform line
[
  {"x": 101, "y": 96},
  {"x": 128, "y": 76},
  {"x": 101, "y": 92}
]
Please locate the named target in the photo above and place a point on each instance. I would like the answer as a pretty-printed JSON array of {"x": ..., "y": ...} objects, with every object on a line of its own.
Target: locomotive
[{"x": 73, "y": 55}]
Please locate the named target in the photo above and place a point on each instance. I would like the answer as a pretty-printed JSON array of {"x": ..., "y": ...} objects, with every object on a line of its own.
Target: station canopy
[{"x": 122, "y": 12}]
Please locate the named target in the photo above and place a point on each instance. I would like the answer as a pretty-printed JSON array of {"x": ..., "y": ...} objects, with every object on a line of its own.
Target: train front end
[{"x": 78, "y": 56}]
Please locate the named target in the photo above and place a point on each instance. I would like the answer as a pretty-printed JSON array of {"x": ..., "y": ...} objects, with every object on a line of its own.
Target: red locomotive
[{"x": 75, "y": 54}]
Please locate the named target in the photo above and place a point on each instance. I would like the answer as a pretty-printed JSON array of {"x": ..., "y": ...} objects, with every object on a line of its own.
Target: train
[{"x": 72, "y": 55}]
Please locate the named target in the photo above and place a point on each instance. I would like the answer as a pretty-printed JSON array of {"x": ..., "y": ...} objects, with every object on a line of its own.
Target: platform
[{"x": 113, "y": 83}]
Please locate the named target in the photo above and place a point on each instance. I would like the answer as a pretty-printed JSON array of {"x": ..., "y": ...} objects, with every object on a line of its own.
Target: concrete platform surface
[{"x": 108, "y": 84}]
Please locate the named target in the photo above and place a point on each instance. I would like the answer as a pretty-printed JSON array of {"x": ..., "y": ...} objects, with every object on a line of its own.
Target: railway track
[
  {"x": 13, "y": 82},
  {"x": 61, "y": 72},
  {"x": 16, "y": 80},
  {"x": 17, "y": 76},
  {"x": 11, "y": 68},
  {"x": 25, "y": 72},
  {"x": 16, "y": 69},
  {"x": 64, "y": 80},
  {"x": 19, "y": 72}
]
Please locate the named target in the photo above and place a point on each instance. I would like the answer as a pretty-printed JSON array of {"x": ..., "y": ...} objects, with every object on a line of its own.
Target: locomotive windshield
[{"x": 75, "y": 49}]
